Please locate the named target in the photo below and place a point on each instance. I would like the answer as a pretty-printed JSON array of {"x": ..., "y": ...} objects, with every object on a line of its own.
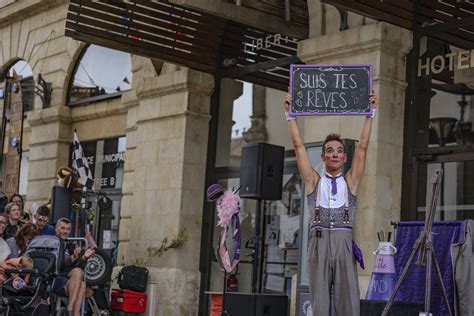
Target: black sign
[
  {"x": 111, "y": 161},
  {"x": 330, "y": 89}
]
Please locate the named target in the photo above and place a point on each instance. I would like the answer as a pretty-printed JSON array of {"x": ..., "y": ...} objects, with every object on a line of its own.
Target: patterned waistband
[{"x": 330, "y": 227}]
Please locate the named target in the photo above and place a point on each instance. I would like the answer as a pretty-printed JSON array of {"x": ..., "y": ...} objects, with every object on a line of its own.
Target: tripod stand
[{"x": 426, "y": 256}]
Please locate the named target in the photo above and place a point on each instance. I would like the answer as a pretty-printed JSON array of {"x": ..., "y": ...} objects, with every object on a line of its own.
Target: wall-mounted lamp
[
  {"x": 15, "y": 143},
  {"x": 443, "y": 126},
  {"x": 44, "y": 90}
]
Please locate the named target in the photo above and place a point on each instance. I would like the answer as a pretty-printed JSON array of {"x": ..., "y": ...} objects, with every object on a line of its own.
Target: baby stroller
[{"x": 35, "y": 298}]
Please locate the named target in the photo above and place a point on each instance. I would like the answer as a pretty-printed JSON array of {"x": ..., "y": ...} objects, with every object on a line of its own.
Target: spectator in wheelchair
[
  {"x": 13, "y": 212},
  {"x": 4, "y": 248},
  {"x": 42, "y": 220},
  {"x": 18, "y": 243},
  {"x": 70, "y": 281}
]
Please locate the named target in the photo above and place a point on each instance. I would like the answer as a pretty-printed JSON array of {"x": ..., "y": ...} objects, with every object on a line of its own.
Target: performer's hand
[
  {"x": 287, "y": 102},
  {"x": 373, "y": 100}
]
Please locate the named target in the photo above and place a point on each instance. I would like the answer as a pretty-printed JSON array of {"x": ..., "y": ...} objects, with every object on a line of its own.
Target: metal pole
[
  {"x": 224, "y": 292},
  {"x": 255, "y": 259}
]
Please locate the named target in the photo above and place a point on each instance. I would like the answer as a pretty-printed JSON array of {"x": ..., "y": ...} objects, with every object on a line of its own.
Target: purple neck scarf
[{"x": 333, "y": 182}]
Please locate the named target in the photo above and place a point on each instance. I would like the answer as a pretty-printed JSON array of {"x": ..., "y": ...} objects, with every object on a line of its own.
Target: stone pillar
[
  {"x": 385, "y": 47},
  {"x": 167, "y": 144},
  {"x": 51, "y": 137}
]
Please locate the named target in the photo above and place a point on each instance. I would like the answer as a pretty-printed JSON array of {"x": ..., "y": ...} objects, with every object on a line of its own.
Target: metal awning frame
[
  {"x": 185, "y": 36},
  {"x": 451, "y": 21}
]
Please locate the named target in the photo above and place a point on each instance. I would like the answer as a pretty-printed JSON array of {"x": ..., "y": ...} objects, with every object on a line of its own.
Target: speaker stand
[
  {"x": 256, "y": 253},
  {"x": 224, "y": 293}
]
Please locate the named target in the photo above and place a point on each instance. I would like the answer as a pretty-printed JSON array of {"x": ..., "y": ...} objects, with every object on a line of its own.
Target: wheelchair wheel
[{"x": 98, "y": 268}]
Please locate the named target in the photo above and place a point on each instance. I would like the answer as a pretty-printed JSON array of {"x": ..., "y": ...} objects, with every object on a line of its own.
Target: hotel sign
[{"x": 451, "y": 61}]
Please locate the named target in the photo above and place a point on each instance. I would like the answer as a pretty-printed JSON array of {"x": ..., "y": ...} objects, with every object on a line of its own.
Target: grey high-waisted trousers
[{"x": 333, "y": 282}]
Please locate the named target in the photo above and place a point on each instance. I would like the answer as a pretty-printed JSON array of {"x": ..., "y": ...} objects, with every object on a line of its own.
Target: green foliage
[{"x": 176, "y": 242}]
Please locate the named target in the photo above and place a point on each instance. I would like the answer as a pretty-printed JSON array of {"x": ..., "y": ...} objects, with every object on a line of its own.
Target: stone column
[
  {"x": 385, "y": 47},
  {"x": 51, "y": 137},
  {"x": 164, "y": 193}
]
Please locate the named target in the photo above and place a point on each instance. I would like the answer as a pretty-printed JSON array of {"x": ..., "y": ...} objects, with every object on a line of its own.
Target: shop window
[
  {"x": 99, "y": 74},
  {"x": 443, "y": 133},
  {"x": 257, "y": 115},
  {"x": 280, "y": 233}
]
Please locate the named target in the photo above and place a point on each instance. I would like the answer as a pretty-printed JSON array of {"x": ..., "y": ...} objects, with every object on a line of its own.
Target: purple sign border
[{"x": 292, "y": 66}]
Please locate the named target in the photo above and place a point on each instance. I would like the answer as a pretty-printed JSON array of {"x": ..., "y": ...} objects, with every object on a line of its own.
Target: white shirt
[
  {"x": 327, "y": 199},
  {"x": 4, "y": 249}
]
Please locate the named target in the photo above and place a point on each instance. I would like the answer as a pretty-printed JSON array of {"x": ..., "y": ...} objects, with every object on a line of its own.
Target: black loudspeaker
[
  {"x": 60, "y": 203},
  {"x": 375, "y": 308},
  {"x": 261, "y": 171},
  {"x": 239, "y": 304}
]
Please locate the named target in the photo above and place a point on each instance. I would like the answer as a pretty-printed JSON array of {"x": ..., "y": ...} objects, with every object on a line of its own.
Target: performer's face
[{"x": 334, "y": 156}]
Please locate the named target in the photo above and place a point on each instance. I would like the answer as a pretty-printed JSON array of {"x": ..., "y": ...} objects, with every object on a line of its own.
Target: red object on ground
[
  {"x": 128, "y": 301},
  {"x": 216, "y": 304},
  {"x": 232, "y": 283}
]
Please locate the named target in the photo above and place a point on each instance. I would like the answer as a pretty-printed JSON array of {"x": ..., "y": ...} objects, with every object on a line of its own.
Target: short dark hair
[
  {"x": 17, "y": 195},
  {"x": 330, "y": 138},
  {"x": 43, "y": 210}
]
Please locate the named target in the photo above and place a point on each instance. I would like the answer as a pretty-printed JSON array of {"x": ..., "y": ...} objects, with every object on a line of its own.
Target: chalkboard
[{"x": 330, "y": 89}]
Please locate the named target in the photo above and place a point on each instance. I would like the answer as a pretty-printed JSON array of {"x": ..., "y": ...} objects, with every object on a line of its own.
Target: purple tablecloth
[{"x": 413, "y": 287}]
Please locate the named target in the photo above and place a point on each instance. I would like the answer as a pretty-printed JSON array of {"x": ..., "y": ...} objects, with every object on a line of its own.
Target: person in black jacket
[{"x": 70, "y": 281}]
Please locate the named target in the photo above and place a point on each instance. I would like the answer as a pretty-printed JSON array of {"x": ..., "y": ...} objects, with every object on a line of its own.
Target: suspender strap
[{"x": 317, "y": 213}]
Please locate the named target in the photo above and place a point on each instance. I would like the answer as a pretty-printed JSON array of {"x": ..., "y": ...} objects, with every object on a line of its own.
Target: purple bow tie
[{"x": 333, "y": 183}]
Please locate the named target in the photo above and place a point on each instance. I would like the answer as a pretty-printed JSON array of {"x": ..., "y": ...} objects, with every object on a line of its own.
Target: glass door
[{"x": 456, "y": 199}]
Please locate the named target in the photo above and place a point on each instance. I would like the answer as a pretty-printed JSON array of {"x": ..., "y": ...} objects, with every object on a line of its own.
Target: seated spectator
[
  {"x": 42, "y": 220},
  {"x": 18, "y": 243},
  {"x": 14, "y": 214},
  {"x": 70, "y": 281},
  {"x": 4, "y": 248}
]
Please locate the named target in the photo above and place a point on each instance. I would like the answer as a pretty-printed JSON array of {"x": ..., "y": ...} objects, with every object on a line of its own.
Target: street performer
[{"x": 333, "y": 281}]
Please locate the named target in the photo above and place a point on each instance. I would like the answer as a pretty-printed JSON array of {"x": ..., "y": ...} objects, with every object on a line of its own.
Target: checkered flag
[{"x": 80, "y": 165}]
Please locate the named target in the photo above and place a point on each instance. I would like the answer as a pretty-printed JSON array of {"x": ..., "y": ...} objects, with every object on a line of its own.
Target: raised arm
[
  {"x": 308, "y": 174},
  {"x": 358, "y": 161}
]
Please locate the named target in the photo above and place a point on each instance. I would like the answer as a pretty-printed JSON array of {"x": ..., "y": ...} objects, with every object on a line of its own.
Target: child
[{"x": 23, "y": 262}]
